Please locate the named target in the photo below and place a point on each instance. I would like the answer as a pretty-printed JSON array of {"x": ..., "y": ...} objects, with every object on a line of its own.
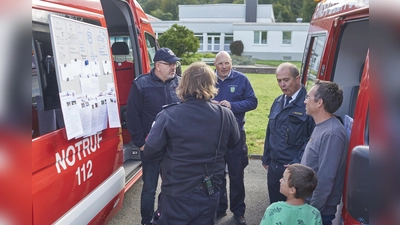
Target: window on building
[
  {"x": 200, "y": 37},
  {"x": 286, "y": 37},
  {"x": 213, "y": 41},
  {"x": 228, "y": 41},
  {"x": 286, "y": 58},
  {"x": 260, "y": 37}
]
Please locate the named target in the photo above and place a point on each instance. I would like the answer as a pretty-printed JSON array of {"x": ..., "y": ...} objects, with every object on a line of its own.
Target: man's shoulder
[
  {"x": 142, "y": 77},
  {"x": 170, "y": 105}
]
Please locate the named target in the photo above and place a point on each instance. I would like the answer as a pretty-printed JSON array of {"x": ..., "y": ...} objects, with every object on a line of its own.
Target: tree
[
  {"x": 180, "y": 40},
  {"x": 308, "y": 10},
  {"x": 282, "y": 11},
  {"x": 161, "y": 15}
]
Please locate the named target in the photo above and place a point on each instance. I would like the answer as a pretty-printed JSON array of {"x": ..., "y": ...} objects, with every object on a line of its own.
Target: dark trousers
[
  {"x": 150, "y": 175},
  {"x": 236, "y": 160},
  {"x": 327, "y": 219},
  {"x": 275, "y": 173},
  {"x": 194, "y": 208}
]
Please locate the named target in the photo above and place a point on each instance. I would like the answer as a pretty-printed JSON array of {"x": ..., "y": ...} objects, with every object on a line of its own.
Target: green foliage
[
  {"x": 237, "y": 47},
  {"x": 161, "y": 15},
  {"x": 242, "y": 60},
  {"x": 282, "y": 13},
  {"x": 180, "y": 40},
  {"x": 308, "y": 9},
  {"x": 276, "y": 62},
  {"x": 189, "y": 59},
  {"x": 284, "y": 10}
]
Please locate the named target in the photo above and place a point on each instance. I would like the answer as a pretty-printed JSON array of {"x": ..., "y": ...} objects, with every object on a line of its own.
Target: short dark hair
[
  {"x": 330, "y": 93},
  {"x": 303, "y": 178}
]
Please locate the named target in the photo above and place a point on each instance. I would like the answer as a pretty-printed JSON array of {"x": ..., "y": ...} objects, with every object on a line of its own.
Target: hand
[
  {"x": 141, "y": 148},
  {"x": 266, "y": 167},
  {"x": 225, "y": 103},
  {"x": 286, "y": 166}
]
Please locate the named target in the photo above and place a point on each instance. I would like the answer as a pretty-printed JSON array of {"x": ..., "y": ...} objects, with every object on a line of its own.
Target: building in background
[{"x": 217, "y": 25}]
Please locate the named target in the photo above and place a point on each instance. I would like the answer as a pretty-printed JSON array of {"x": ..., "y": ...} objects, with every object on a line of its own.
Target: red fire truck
[
  {"x": 82, "y": 180},
  {"x": 337, "y": 49}
]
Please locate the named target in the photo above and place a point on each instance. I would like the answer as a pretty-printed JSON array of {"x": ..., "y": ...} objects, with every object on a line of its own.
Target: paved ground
[{"x": 256, "y": 199}]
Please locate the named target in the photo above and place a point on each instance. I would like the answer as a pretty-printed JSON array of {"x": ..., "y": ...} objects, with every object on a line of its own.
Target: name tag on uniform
[{"x": 297, "y": 113}]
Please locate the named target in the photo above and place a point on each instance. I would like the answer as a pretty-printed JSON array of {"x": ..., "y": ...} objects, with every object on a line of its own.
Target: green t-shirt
[{"x": 281, "y": 213}]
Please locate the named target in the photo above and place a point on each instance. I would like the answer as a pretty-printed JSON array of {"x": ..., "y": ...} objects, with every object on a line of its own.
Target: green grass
[
  {"x": 266, "y": 89},
  {"x": 276, "y": 62}
]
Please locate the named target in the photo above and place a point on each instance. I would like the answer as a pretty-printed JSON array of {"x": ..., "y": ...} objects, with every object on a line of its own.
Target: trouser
[
  {"x": 151, "y": 171},
  {"x": 194, "y": 208},
  {"x": 275, "y": 173},
  {"x": 327, "y": 219},
  {"x": 236, "y": 160}
]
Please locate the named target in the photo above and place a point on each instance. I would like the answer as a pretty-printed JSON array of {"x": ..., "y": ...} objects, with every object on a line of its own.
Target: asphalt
[{"x": 257, "y": 200}]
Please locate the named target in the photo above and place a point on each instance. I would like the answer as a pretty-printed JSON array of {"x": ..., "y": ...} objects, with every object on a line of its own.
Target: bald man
[{"x": 237, "y": 94}]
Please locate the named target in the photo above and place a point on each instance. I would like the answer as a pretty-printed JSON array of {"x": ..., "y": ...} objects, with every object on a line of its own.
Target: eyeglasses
[
  {"x": 168, "y": 64},
  {"x": 223, "y": 63}
]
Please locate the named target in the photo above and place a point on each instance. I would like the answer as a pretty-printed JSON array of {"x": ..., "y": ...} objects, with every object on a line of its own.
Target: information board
[{"x": 81, "y": 50}]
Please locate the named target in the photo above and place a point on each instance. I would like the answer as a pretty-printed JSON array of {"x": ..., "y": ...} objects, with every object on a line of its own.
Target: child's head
[{"x": 298, "y": 180}]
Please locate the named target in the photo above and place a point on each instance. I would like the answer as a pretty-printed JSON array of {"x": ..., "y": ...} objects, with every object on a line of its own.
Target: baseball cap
[{"x": 165, "y": 54}]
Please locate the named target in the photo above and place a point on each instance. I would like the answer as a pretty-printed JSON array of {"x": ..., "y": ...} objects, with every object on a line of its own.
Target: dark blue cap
[{"x": 165, "y": 54}]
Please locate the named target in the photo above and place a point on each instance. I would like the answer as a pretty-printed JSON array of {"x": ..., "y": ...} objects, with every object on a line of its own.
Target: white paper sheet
[
  {"x": 70, "y": 110},
  {"x": 112, "y": 111}
]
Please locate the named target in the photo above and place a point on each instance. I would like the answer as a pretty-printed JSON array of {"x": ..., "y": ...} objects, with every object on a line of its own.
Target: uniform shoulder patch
[
  {"x": 297, "y": 113},
  {"x": 169, "y": 105}
]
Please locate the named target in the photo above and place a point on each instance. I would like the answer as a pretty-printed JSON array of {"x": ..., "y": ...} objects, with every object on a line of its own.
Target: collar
[
  {"x": 230, "y": 74},
  {"x": 294, "y": 96}
]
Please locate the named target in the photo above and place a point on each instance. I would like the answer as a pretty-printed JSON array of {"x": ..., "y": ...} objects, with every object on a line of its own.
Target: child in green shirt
[{"x": 298, "y": 182}]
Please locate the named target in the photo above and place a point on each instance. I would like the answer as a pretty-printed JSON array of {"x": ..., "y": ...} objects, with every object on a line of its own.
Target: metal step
[{"x": 132, "y": 167}]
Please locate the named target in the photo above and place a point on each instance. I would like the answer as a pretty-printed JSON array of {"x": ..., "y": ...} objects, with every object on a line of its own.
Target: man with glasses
[
  {"x": 148, "y": 94},
  {"x": 326, "y": 152},
  {"x": 236, "y": 93},
  {"x": 288, "y": 131}
]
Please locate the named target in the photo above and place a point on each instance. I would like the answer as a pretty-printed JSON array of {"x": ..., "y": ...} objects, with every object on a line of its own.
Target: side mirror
[
  {"x": 178, "y": 68},
  {"x": 357, "y": 184}
]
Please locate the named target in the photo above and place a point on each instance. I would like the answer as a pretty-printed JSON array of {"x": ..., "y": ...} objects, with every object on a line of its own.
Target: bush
[
  {"x": 188, "y": 59},
  {"x": 242, "y": 60},
  {"x": 180, "y": 40},
  {"x": 237, "y": 47}
]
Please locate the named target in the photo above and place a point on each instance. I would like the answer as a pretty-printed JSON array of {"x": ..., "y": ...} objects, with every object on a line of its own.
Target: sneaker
[
  {"x": 220, "y": 214},
  {"x": 240, "y": 220}
]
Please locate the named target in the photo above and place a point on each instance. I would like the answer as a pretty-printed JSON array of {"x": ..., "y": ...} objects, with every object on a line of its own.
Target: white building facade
[{"x": 217, "y": 25}]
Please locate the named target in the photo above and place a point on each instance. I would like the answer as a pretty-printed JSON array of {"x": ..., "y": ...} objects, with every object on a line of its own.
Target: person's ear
[{"x": 292, "y": 191}]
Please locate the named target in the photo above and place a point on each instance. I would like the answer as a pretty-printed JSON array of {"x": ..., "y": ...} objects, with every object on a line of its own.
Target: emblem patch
[
  {"x": 232, "y": 89},
  {"x": 297, "y": 113}
]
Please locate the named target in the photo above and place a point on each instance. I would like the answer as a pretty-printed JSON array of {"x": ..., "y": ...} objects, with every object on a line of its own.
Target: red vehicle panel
[
  {"x": 83, "y": 180},
  {"x": 337, "y": 49}
]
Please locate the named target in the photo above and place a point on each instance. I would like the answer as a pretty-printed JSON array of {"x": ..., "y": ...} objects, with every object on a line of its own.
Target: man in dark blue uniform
[
  {"x": 288, "y": 131},
  {"x": 236, "y": 93},
  {"x": 191, "y": 139},
  {"x": 149, "y": 92}
]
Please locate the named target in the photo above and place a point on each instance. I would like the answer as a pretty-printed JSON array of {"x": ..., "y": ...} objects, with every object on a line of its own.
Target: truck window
[
  {"x": 316, "y": 44},
  {"x": 46, "y": 109},
  {"x": 127, "y": 40},
  {"x": 151, "y": 47}
]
